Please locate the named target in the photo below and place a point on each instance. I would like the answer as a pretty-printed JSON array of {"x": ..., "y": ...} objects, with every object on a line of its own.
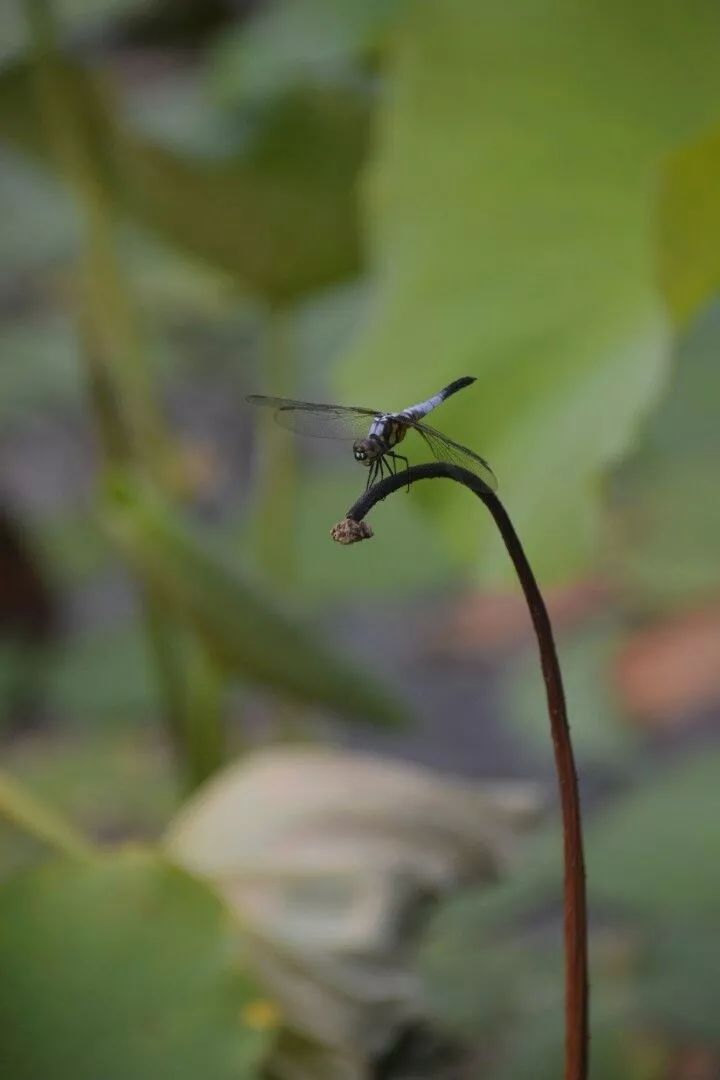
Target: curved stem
[{"x": 575, "y": 903}]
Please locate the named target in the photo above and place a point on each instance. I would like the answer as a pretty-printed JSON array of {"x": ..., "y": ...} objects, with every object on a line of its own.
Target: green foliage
[
  {"x": 40, "y": 221},
  {"x": 73, "y": 16},
  {"x": 539, "y": 1055},
  {"x": 121, "y": 966},
  {"x": 652, "y": 983},
  {"x": 290, "y": 43},
  {"x": 689, "y": 245},
  {"x": 652, "y": 860},
  {"x": 277, "y": 213},
  {"x": 599, "y": 732},
  {"x": 85, "y": 666},
  {"x": 541, "y": 210},
  {"x": 510, "y": 214},
  {"x": 626, "y": 865},
  {"x": 246, "y": 628},
  {"x": 405, "y": 555},
  {"x": 509, "y": 1001},
  {"x": 657, "y": 850},
  {"x": 281, "y": 217},
  {"x": 41, "y": 366},
  {"x": 21, "y": 807},
  {"x": 72, "y": 546},
  {"x": 679, "y": 979},
  {"x": 113, "y": 783},
  {"x": 665, "y": 524}
]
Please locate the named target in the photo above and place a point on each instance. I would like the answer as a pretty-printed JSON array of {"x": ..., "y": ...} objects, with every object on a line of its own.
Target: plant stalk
[{"x": 574, "y": 891}]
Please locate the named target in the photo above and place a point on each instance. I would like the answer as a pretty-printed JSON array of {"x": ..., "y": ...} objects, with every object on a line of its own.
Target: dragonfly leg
[{"x": 400, "y": 457}]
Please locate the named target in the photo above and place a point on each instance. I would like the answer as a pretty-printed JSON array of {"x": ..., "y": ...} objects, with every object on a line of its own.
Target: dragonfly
[{"x": 376, "y": 433}]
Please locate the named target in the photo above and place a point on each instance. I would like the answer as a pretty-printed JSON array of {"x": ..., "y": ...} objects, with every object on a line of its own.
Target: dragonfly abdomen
[{"x": 416, "y": 412}]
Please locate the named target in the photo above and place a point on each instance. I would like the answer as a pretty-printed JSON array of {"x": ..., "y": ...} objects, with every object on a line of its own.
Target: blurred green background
[{"x": 355, "y": 202}]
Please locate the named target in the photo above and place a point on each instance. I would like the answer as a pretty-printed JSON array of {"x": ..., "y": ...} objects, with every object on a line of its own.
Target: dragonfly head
[{"x": 366, "y": 451}]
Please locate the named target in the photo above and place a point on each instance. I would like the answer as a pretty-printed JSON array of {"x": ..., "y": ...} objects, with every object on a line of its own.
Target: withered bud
[{"x": 349, "y": 531}]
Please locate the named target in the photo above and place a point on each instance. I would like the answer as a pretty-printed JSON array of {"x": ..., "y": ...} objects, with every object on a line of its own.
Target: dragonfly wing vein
[
  {"x": 444, "y": 449},
  {"x": 354, "y": 422},
  {"x": 318, "y": 420}
]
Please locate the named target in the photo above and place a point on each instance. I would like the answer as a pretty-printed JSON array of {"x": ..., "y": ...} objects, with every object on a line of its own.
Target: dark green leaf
[
  {"x": 121, "y": 967},
  {"x": 278, "y": 213},
  {"x": 281, "y": 219}
]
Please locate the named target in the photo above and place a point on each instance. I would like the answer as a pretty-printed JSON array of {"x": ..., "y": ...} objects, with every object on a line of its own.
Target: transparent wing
[
  {"x": 320, "y": 421},
  {"x": 445, "y": 449}
]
